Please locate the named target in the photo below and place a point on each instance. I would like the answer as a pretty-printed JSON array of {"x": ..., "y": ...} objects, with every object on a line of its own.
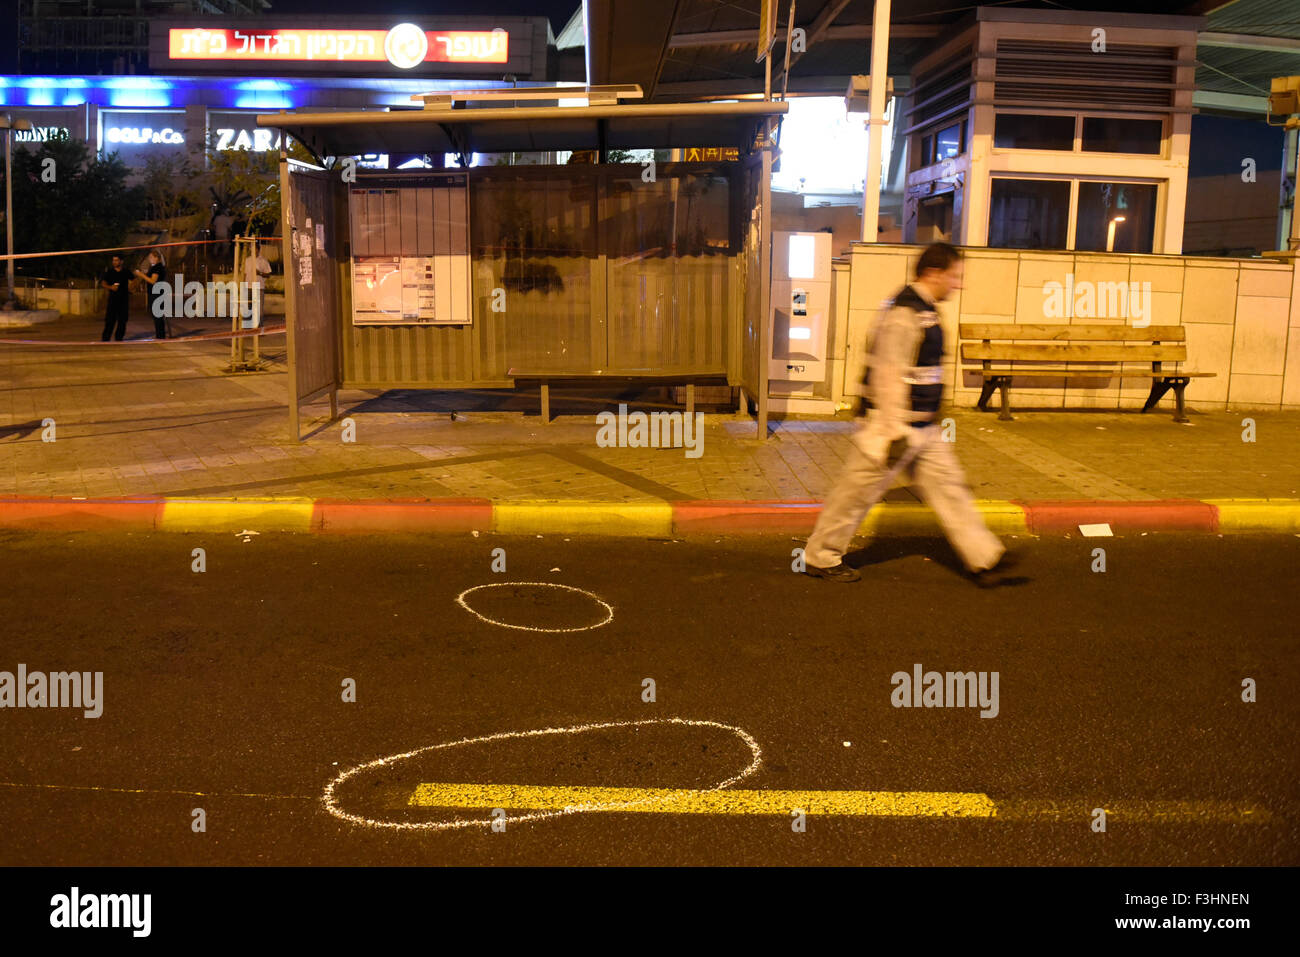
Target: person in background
[
  {"x": 221, "y": 227},
  {"x": 255, "y": 267},
  {"x": 117, "y": 281},
  {"x": 155, "y": 272}
]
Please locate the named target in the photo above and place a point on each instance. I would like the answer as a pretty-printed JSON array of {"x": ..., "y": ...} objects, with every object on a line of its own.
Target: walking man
[
  {"x": 903, "y": 384},
  {"x": 117, "y": 281}
]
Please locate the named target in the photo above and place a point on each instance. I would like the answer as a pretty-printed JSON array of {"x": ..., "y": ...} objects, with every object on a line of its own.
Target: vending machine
[{"x": 801, "y": 313}]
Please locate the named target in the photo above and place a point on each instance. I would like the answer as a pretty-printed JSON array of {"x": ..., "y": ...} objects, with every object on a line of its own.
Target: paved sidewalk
[{"x": 164, "y": 419}]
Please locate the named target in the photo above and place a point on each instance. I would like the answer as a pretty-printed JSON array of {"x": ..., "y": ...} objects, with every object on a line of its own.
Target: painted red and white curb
[{"x": 641, "y": 519}]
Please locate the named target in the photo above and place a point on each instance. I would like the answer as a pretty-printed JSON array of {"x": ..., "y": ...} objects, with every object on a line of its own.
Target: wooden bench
[
  {"x": 1107, "y": 350},
  {"x": 635, "y": 376}
]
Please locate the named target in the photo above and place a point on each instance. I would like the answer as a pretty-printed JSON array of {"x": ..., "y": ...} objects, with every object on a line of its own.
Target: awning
[{"x": 528, "y": 129}]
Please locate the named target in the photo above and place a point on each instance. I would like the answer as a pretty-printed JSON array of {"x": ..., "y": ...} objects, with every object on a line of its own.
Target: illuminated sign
[
  {"x": 404, "y": 46},
  {"x": 141, "y": 135},
  {"x": 696, "y": 154},
  {"x": 137, "y": 136},
  {"x": 258, "y": 140},
  {"x": 39, "y": 134}
]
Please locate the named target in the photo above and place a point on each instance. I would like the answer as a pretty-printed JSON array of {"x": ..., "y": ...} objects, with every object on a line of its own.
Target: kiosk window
[
  {"x": 1026, "y": 131},
  {"x": 948, "y": 142},
  {"x": 1113, "y": 134},
  {"x": 1131, "y": 206},
  {"x": 1029, "y": 213}
]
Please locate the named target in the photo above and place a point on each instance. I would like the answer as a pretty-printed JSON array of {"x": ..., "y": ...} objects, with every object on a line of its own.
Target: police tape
[
  {"x": 199, "y": 337},
  {"x": 146, "y": 247}
]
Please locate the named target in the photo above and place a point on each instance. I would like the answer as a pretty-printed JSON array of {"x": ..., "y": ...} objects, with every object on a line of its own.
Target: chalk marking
[
  {"x": 691, "y": 801},
  {"x": 87, "y": 787},
  {"x": 609, "y": 611},
  {"x": 330, "y": 801}
]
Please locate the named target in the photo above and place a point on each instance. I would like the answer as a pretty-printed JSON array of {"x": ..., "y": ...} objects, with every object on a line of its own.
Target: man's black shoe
[
  {"x": 993, "y": 577},
  {"x": 836, "y": 573}
]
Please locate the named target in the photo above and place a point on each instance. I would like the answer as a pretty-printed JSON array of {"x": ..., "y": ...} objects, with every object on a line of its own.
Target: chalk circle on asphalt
[
  {"x": 537, "y": 601},
  {"x": 330, "y": 799}
]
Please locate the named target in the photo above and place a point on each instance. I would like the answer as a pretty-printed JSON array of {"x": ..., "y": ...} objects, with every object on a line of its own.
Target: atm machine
[{"x": 801, "y": 323}]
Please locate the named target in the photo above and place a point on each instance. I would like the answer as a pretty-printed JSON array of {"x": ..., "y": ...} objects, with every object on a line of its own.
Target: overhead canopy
[
  {"x": 693, "y": 49},
  {"x": 527, "y": 129}
]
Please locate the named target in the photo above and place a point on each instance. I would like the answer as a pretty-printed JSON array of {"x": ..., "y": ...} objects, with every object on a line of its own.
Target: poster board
[{"x": 410, "y": 250}]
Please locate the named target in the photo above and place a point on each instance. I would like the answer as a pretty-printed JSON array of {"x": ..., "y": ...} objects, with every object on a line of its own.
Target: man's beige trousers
[{"x": 936, "y": 475}]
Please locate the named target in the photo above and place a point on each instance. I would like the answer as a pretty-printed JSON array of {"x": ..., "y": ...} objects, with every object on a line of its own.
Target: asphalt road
[{"x": 1119, "y": 690}]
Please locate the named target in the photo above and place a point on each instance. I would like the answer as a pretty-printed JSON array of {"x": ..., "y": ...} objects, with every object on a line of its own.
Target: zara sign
[{"x": 238, "y": 131}]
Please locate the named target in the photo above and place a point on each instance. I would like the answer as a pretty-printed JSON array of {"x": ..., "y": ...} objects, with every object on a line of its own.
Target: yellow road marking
[
  {"x": 847, "y": 803},
  {"x": 1153, "y": 812},
  {"x": 688, "y": 801}
]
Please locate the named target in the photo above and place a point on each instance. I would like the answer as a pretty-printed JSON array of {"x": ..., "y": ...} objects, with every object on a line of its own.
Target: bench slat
[
  {"x": 1032, "y": 352},
  {"x": 1084, "y": 332}
]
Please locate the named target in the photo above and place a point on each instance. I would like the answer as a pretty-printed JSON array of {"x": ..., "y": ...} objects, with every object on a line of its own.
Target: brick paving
[{"x": 167, "y": 419}]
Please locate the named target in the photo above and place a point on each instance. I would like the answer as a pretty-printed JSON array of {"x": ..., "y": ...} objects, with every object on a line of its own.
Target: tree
[
  {"x": 79, "y": 201},
  {"x": 173, "y": 188},
  {"x": 248, "y": 182}
]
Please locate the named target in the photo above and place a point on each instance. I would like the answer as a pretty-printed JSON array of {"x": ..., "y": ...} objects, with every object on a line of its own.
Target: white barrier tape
[
  {"x": 201, "y": 337},
  {"x": 114, "y": 249}
]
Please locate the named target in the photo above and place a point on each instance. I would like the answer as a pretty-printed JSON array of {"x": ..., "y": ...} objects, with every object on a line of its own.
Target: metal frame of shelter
[{"x": 609, "y": 274}]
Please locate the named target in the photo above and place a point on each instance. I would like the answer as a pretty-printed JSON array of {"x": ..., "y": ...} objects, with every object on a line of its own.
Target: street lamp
[
  {"x": 1110, "y": 233},
  {"x": 8, "y": 124}
]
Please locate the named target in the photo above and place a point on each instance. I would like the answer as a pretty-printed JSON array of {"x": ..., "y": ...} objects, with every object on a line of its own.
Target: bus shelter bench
[
  {"x": 1084, "y": 351},
  {"x": 544, "y": 380}
]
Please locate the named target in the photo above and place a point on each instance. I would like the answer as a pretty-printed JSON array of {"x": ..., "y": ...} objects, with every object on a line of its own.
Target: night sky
[{"x": 558, "y": 11}]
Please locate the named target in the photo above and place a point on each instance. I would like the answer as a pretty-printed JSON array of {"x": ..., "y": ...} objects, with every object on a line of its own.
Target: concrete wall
[{"x": 1242, "y": 318}]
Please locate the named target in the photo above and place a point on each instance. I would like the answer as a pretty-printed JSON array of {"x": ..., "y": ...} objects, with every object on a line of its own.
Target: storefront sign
[
  {"x": 404, "y": 46},
  {"x": 239, "y": 131},
  {"x": 136, "y": 137},
  {"x": 39, "y": 134},
  {"x": 142, "y": 135}
]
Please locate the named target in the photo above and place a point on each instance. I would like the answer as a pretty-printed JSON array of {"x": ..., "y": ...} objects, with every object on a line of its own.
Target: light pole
[
  {"x": 8, "y": 124},
  {"x": 1110, "y": 233}
]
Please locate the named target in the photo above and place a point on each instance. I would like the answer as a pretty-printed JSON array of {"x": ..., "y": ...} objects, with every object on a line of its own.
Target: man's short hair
[{"x": 938, "y": 256}]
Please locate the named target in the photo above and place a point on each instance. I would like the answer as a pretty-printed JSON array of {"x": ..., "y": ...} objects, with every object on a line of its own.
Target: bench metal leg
[
  {"x": 1003, "y": 383},
  {"x": 1180, "y": 410},
  {"x": 986, "y": 392},
  {"x": 690, "y": 399},
  {"x": 546, "y": 404}
]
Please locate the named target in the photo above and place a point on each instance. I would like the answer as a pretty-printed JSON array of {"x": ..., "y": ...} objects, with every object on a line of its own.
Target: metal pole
[
  {"x": 789, "y": 35},
  {"x": 1291, "y": 172},
  {"x": 875, "y": 120},
  {"x": 9, "y": 212}
]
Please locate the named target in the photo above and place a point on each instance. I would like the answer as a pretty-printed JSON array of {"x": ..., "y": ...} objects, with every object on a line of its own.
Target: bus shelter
[{"x": 488, "y": 276}]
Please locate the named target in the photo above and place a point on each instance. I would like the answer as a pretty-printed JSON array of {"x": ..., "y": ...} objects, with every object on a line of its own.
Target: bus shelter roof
[{"x": 527, "y": 129}]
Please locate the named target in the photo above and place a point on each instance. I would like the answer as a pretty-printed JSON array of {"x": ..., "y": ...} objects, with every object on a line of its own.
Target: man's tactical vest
[{"x": 926, "y": 376}]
